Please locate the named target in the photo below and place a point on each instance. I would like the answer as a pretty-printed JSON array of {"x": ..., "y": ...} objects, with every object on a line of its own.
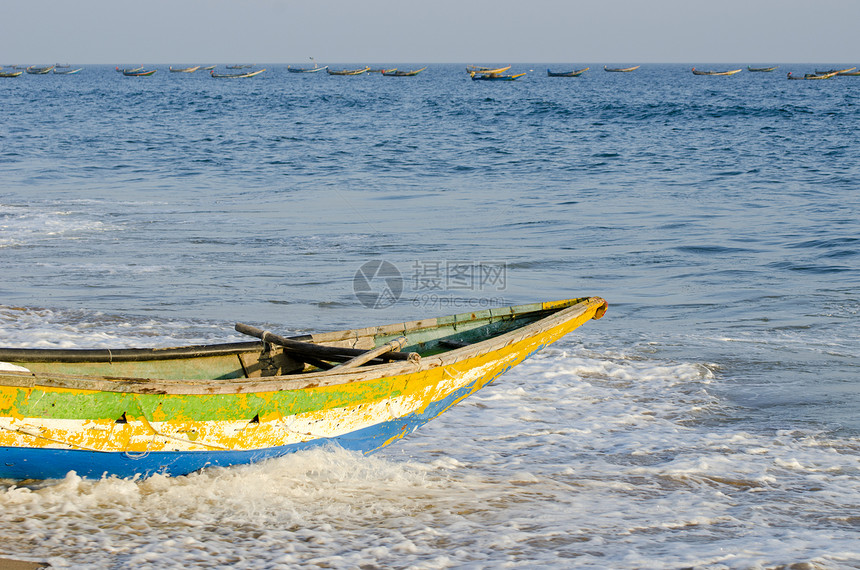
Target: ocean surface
[{"x": 710, "y": 420}]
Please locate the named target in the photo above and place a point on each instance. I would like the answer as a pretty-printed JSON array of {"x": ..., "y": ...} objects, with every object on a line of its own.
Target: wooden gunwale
[{"x": 551, "y": 319}]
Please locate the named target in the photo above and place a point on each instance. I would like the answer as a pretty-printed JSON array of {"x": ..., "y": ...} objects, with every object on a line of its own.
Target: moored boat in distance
[
  {"x": 40, "y": 70},
  {"x": 139, "y": 72},
  {"x": 846, "y": 71},
  {"x": 129, "y": 69},
  {"x": 400, "y": 73},
  {"x": 315, "y": 69},
  {"x": 68, "y": 71},
  {"x": 762, "y": 69},
  {"x": 495, "y": 76},
  {"x": 306, "y": 69},
  {"x": 730, "y": 72},
  {"x": 813, "y": 76},
  {"x": 470, "y": 69},
  {"x": 574, "y": 73},
  {"x": 239, "y": 75},
  {"x": 184, "y": 69},
  {"x": 138, "y": 412},
  {"x": 348, "y": 71},
  {"x": 240, "y": 66},
  {"x": 11, "y": 73},
  {"x": 621, "y": 69},
  {"x": 207, "y": 68}
]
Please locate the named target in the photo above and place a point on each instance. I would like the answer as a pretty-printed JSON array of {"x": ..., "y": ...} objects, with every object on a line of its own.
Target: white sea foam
[
  {"x": 33, "y": 327},
  {"x": 22, "y": 226},
  {"x": 570, "y": 460}
]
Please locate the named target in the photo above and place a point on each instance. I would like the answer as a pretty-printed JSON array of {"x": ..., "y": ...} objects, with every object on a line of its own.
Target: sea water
[{"x": 709, "y": 420}]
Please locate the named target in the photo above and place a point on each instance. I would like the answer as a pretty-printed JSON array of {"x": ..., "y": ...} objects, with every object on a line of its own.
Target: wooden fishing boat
[
  {"x": 39, "y": 70},
  {"x": 813, "y": 76},
  {"x": 731, "y": 72},
  {"x": 380, "y": 69},
  {"x": 139, "y": 73},
  {"x": 845, "y": 71},
  {"x": 10, "y": 73},
  {"x": 306, "y": 69},
  {"x": 495, "y": 77},
  {"x": 129, "y": 69},
  {"x": 574, "y": 73},
  {"x": 241, "y": 66},
  {"x": 137, "y": 412},
  {"x": 236, "y": 75},
  {"x": 68, "y": 71},
  {"x": 761, "y": 69},
  {"x": 315, "y": 69},
  {"x": 400, "y": 73},
  {"x": 184, "y": 69},
  {"x": 207, "y": 68},
  {"x": 621, "y": 69},
  {"x": 348, "y": 71},
  {"x": 470, "y": 69}
]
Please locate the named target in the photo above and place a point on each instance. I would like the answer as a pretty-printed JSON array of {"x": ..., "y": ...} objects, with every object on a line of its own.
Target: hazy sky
[{"x": 430, "y": 31}]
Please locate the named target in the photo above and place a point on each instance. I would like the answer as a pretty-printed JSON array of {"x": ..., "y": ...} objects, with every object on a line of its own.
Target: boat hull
[
  {"x": 51, "y": 424},
  {"x": 236, "y": 75},
  {"x": 574, "y": 73}
]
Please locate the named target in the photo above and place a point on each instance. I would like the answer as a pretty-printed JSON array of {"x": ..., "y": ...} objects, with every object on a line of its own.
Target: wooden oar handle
[
  {"x": 356, "y": 361},
  {"x": 318, "y": 350}
]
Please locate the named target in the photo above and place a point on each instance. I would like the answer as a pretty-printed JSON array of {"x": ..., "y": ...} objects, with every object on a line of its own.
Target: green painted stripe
[{"x": 81, "y": 405}]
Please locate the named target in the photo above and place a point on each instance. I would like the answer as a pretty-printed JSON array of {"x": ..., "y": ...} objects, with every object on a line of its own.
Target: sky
[{"x": 37, "y": 32}]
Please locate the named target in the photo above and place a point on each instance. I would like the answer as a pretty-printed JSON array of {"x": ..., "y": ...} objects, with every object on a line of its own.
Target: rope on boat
[{"x": 42, "y": 437}]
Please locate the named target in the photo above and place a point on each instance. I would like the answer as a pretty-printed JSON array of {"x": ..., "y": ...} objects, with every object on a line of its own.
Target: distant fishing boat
[
  {"x": 236, "y": 75},
  {"x": 495, "y": 77},
  {"x": 315, "y": 69},
  {"x": 207, "y": 68},
  {"x": 470, "y": 69},
  {"x": 139, "y": 411},
  {"x": 184, "y": 69},
  {"x": 761, "y": 69},
  {"x": 399, "y": 73},
  {"x": 813, "y": 76},
  {"x": 241, "y": 66},
  {"x": 68, "y": 71},
  {"x": 731, "y": 72},
  {"x": 306, "y": 69},
  {"x": 348, "y": 71},
  {"x": 846, "y": 71},
  {"x": 39, "y": 70},
  {"x": 574, "y": 73},
  {"x": 10, "y": 73},
  {"x": 139, "y": 73},
  {"x": 621, "y": 69},
  {"x": 129, "y": 69},
  {"x": 380, "y": 70}
]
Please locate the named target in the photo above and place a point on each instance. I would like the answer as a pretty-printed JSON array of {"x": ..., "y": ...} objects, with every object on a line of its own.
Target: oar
[
  {"x": 317, "y": 350},
  {"x": 390, "y": 346}
]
